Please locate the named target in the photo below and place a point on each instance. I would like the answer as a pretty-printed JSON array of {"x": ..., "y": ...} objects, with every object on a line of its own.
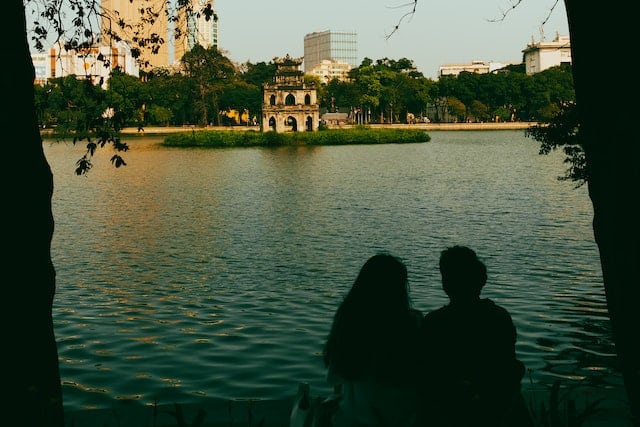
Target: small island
[{"x": 356, "y": 135}]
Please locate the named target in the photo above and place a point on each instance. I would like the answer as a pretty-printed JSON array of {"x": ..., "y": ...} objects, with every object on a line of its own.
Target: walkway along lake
[{"x": 214, "y": 273}]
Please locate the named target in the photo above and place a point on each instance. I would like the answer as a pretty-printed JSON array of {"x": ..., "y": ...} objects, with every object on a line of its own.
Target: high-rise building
[
  {"x": 196, "y": 28},
  {"x": 336, "y": 46},
  {"x": 139, "y": 28}
]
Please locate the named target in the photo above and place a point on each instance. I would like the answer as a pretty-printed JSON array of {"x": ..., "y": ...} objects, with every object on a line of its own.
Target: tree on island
[{"x": 32, "y": 386}]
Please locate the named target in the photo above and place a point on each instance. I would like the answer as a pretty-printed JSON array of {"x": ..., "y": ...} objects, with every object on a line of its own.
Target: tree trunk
[
  {"x": 32, "y": 390},
  {"x": 609, "y": 135}
]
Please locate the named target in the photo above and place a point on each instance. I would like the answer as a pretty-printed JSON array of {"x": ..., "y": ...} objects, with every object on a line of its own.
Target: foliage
[
  {"x": 208, "y": 83},
  {"x": 457, "y": 109},
  {"x": 84, "y": 112},
  {"x": 210, "y": 70},
  {"x": 561, "y": 410},
  {"x": 358, "y": 135},
  {"x": 562, "y": 131}
]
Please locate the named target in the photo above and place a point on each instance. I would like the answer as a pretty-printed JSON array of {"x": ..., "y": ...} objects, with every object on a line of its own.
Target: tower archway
[{"x": 292, "y": 122}]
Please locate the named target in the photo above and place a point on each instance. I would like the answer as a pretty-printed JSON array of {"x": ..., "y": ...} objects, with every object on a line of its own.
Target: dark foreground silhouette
[
  {"x": 371, "y": 353},
  {"x": 472, "y": 376}
]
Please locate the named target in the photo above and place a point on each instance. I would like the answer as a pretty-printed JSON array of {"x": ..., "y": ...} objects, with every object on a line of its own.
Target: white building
[
  {"x": 538, "y": 56},
  {"x": 329, "y": 69},
  {"x": 477, "y": 67},
  {"x": 95, "y": 63}
]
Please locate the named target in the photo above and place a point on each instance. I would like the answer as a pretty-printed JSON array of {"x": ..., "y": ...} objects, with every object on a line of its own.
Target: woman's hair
[{"x": 373, "y": 327}]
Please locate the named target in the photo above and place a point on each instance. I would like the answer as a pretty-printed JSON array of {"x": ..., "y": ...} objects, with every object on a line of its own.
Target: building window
[
  {"x": 272, "y": 100},
  {"x": 307, "y": 99},
  {"x": 290, "y": 100}
]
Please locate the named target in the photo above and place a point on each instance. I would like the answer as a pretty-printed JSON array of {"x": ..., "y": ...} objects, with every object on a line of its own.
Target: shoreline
[
  {"x": 160, "y": 130},
  {"x": 167, "y": 130},
  {"x": 216, "y": 412}
]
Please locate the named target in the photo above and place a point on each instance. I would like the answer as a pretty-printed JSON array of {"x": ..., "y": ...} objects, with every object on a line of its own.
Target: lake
[{"x": 214, "y": 273}]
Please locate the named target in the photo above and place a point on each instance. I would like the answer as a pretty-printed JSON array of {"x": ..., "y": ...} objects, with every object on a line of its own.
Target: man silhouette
[{"x": 472, "y": 373}]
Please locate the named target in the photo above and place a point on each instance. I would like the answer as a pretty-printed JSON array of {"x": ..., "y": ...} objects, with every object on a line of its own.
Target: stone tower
[{"x": 288, "y": 105}]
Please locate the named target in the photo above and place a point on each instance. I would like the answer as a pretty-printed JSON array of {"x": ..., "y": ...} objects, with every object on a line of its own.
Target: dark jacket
[{"x": 471, "y": 371}]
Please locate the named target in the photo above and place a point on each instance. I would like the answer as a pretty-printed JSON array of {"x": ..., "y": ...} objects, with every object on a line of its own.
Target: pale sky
[{"x": 440, "y": 32}]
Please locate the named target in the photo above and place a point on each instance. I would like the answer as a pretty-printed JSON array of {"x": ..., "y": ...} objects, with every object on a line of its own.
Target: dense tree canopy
[{"x": 210, "y": 83}]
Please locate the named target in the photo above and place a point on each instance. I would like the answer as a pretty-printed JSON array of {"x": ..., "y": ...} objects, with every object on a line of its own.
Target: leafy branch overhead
[
  {"x": 562, "y": 132},
  {"x": 81, "y": 25}
]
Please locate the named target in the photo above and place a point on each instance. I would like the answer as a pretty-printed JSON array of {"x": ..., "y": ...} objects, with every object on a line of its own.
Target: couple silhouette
[{"x": 393, "y": 366}]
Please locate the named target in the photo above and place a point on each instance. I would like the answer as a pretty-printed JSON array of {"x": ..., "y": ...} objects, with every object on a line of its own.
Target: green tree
[
  {"x": 417, "y": 94},
  {"x": 338, "y": 95},
  {"x": 210, "y": 71},
  {"x": 174, "y": 93},
  {"x": 478, "y": 111},
  {"x": 258, "y": 74},
  {"x": 127, "y": 96},
  {"x": 457, "y": 109},
  {"x": 242, "y": 96},
  {"x": 367, "y": 88}
]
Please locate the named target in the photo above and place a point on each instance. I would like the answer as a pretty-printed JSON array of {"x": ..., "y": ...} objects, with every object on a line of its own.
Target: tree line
[{"x": 386, "y": 91}]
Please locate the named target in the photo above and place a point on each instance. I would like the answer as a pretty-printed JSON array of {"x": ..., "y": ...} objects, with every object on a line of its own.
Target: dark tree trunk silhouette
[
  {"x": 609, "y": 136},
  {"x": 31, "y": 381}
]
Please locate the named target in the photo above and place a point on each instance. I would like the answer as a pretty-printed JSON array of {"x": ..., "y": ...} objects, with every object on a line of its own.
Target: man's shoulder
[{"x": 490, "y": 305}]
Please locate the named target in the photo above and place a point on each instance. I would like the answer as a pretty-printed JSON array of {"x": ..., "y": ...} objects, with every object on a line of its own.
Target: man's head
[{"x": 463, "y": 274}]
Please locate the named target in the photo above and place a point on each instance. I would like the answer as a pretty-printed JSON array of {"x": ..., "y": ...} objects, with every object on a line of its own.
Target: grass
[
  {"x": 560, "y": 406},
  {"x": 561, "y": 409},
  {"x": 218, "y": 413},
  {"x": 576, "y": 406},
  {"x": 357, "y": 135}
]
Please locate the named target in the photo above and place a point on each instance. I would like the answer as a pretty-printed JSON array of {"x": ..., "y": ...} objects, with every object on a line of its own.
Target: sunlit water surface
[{"x": 214, "y": 273}]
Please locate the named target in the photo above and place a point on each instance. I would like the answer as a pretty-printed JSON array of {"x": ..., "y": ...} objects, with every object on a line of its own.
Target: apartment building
[
  {"x": 94, "y": 63},
  {"x": 335, "y": 46},
  {"x": 538, "y": 56},
  {"x": 477, "y": 67},
  {"x": 129, "y": 12},
  {"x": 196, "y": 28},
  {"x": 329, "y": 69}
]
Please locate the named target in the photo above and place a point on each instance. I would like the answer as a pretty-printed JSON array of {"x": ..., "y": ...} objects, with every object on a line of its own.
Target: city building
[
  {"x": 477, "y": 67},
  {"x": 288, "y": 104},
  {"x": 329, "y": 69},
  {"x": 128, "y": 11},
  {"x": 94, "y": 63},
  {"x": 538, "y": 56},
  {"x": 338, "y": 46},
  {"x": 196, "y": 28}
]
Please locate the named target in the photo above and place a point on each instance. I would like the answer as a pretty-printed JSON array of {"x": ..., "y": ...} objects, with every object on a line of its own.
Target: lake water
[{"x": 215, "y": 273}]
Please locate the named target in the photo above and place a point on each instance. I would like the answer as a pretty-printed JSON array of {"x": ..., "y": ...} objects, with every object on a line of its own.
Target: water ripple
[{"x": 195, "y": 274}]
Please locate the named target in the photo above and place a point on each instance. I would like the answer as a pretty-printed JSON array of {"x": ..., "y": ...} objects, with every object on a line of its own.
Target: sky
[{"x": 439, "y": 32}]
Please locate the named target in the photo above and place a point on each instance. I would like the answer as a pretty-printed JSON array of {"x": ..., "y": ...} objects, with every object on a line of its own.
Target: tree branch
[
  {"x": 412, "y": 5},
  {"x": 516, "y": 3}
]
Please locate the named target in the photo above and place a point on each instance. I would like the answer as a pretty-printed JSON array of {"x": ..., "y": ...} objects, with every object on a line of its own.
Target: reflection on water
[{"x": 215, "y": 273}]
